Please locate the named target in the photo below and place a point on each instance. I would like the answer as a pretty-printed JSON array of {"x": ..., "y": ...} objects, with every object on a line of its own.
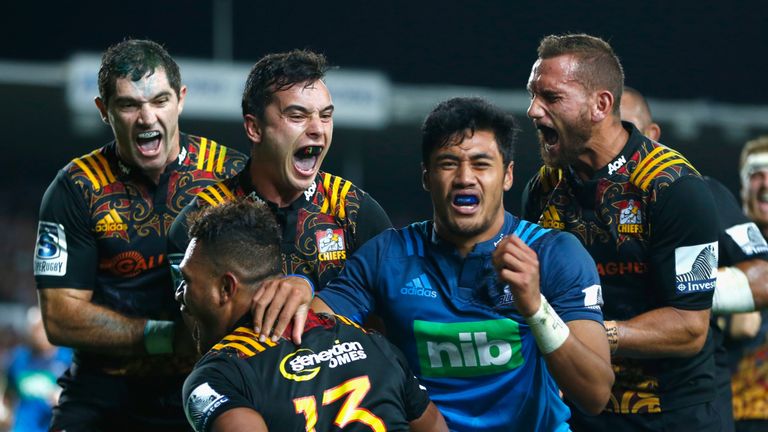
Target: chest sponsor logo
[
  {"x": 111, "y": 222},
  {"x": 630, "y": 218},
  {"x": 130, "y": 263},
  {"x": 621, "y": 268},
  {"x": 51, "y": 250},
  {"x": 749, "y": 238},
  {"x": 696, "y": 268},
  {"x": 330, "y": 245},
  {"x": 616, "y": 165},
  {"x": 550, "y": 218},
  {"x": 419, "y": 286},
  {"x": 467, "y": 349},
  {"x": 201, "y": 403},
  {"x": 304, "y": 364}
]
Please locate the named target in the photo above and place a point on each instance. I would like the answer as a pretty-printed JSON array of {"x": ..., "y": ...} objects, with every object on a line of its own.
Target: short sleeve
[
  {"x": 569, "y": 278},
  {"x": 683, "y": 244},
  {"x": 214, "y": 387},
  {"x": 66, "y": 254},
  {"x": 352, "y": 293},
  {"x": 371, "y": 220},
  {"x": 739, "y": 239}
]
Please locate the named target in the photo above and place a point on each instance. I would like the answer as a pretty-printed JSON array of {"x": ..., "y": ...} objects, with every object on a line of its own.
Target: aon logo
[{"x": 469, "y": 348}]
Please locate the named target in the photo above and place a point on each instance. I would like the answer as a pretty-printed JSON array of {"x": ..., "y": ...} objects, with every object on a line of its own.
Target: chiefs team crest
[
  {"x": 330, "y": 245},
  {"x": 630, "y": 218}
]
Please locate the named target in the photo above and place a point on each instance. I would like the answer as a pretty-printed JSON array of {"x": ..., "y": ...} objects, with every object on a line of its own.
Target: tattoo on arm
[{"x": 612, "y": 332}]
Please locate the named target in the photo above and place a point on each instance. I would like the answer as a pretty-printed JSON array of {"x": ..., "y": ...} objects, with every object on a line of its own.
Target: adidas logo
[
  {"x": 419, "y": 286},
  {"x": 551, "y": 219},
  {"x": 111, "y": 222}
]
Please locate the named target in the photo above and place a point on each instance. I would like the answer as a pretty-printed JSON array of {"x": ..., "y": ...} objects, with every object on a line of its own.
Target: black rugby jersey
[
  {"x": 320, "y": 229},
  {"x": 104, "y": 225},
  {"x": 739, "y": 240},
  {"x": 341, "y": 376},
  {"x": 648, "y": 220}
]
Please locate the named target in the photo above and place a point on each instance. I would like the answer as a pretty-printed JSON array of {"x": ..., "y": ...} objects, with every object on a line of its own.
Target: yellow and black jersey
[
  {"x": 104, "y": 226},
  {"x": 320, "y": 229},
  {"x": 648, "y": 220},
  {"x": 339, "y": 377}
]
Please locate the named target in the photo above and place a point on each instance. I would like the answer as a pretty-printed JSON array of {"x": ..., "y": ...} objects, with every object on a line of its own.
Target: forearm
[
  {"x": 756, "y": 271},
  {"x": 72, "y": 321},
  {"x": 583, "y": 372},
  {"x": 663, "y": 332}
]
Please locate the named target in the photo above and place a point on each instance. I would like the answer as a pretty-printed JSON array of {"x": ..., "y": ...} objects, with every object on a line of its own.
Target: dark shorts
[
  {"x": 752, "y": 426},
  {"x": 97, "y": 402},
  {"x": 697, "y": 418}
]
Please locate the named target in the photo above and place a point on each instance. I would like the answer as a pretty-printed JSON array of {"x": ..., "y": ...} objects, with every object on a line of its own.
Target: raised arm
[{"x": 577, "y": 354}]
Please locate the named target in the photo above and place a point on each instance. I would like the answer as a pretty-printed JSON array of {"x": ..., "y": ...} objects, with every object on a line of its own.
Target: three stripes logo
[
  {"x": 654, "y": 163},
  {"x": 419, "y": 286},
  {"x": 212, "y": 156},
  {"x": 550, "y": 218},
  {"x": 111, "y": 222},
  {"x": 696, "y": 268}
]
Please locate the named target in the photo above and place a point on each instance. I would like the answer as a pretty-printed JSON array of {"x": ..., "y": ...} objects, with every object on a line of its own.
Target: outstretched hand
[
  {"x": 518, "y": 266},
  {"x": 278, "y": 302}
]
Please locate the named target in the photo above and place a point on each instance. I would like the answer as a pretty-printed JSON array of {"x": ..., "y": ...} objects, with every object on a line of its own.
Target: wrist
[
  {"x": 309, "y": 282},
  {"x": 549, "y": 330},
  {"x": 158, "y": 336},
  {"x": 612, "y": 333}
]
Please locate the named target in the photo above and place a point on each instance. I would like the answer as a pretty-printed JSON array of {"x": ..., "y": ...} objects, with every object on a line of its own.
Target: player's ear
[
  {"x": 424, "y": 177},
  {"x": 508, "y": 176},
  {"x": 252, "y": 127},
  {"x": 102, "y": 109},
  {"x": 228, "y": 287},
  {"x": 603, "y": 105},
  {"x": 653, "y": 131}
]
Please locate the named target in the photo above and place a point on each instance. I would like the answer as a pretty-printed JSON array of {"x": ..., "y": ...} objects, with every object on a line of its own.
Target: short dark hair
[
  {"x": 454, "y": 117},
  {"x": 599, "y": 67},
  {"x": 276, "y": 72},
  {"x": 135, "y": 58},
  {"x": 240, "y": 234}
]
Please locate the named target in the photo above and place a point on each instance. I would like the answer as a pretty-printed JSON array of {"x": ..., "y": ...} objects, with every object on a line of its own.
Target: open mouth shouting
[
  {"x": 549, "y": 137},
  {"x": 305, "y": 159},
  {"x": 148, "y": 143},
  {"x": 465, "y": 203}
]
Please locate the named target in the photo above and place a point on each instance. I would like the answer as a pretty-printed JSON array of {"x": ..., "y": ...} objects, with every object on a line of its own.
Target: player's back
[{"x": 340, "y": 377}]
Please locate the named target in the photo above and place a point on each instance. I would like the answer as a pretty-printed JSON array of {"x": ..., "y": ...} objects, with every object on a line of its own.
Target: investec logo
[{"x": 467, "y": 349}]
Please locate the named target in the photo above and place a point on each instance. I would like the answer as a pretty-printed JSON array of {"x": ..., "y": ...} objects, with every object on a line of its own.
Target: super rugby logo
[
  {"x": 304, "y": 364},
  {"x": 51, "y": 250}
]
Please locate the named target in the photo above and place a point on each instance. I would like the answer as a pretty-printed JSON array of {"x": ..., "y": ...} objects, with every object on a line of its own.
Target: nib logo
[{"x": 419, "y": 286}]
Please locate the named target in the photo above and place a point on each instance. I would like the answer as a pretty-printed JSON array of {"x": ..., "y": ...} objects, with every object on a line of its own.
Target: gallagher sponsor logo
[{"x": 130, "y": 263}]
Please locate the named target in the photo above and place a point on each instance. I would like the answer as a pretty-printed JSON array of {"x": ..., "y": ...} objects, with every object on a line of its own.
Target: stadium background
[{"x": 701, "y": 64}]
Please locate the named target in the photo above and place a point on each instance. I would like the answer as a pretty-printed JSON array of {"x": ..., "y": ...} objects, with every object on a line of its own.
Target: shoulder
[
  {"x": 207, "y": 155},
  {"x": 654, "y": 166},
  {"x": 339, "y": 197},
  {"x": 93, "y": 171},
  {"x": 217, "y": 193}
]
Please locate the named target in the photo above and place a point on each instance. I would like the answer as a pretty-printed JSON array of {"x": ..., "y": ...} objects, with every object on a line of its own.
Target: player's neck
[
  {"x": 268, "y": 188},
  {"x": 602, "y": 148}
]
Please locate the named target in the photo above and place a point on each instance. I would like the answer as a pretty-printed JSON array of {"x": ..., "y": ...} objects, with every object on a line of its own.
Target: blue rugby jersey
[{"x": 457, "y": 323}]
